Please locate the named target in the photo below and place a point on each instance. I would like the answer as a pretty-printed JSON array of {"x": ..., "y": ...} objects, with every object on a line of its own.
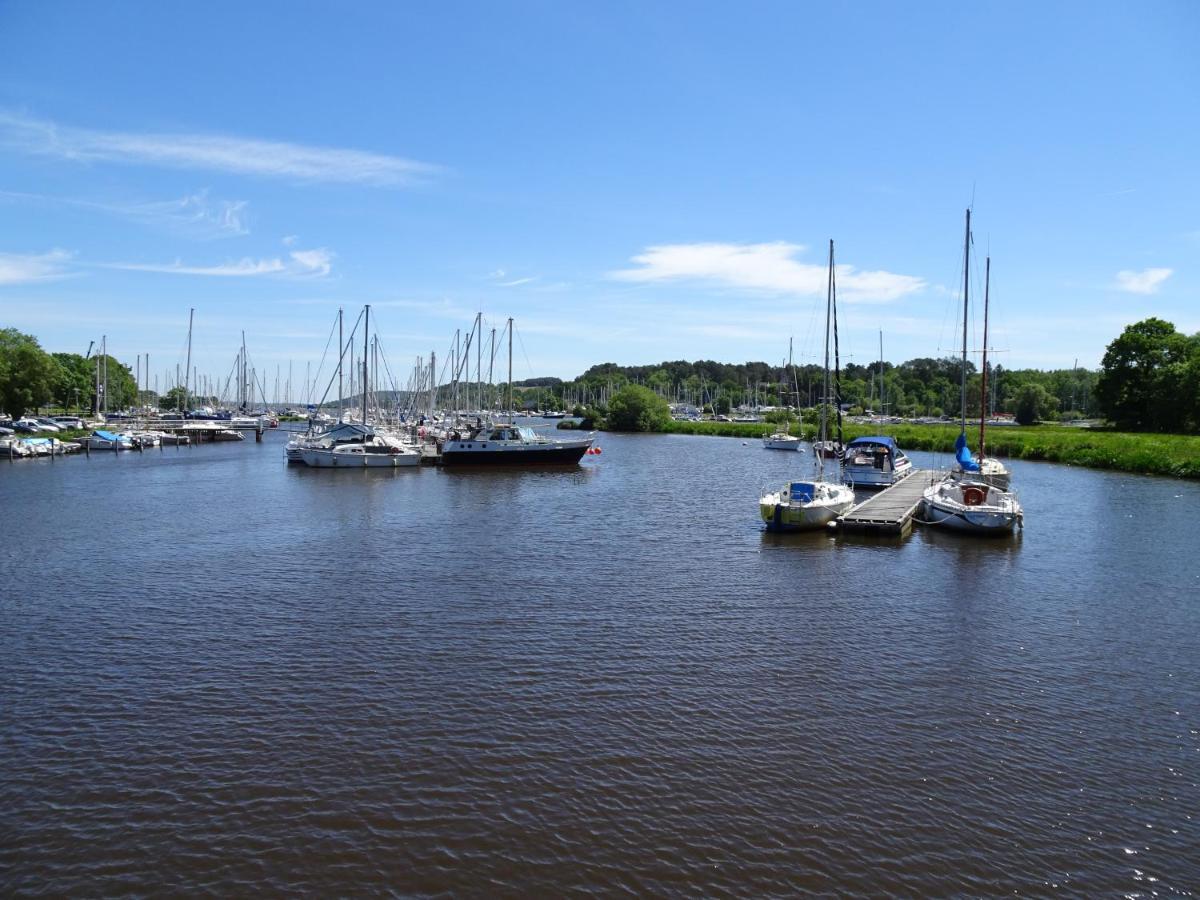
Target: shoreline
[{"x": 1168, "y": 455}]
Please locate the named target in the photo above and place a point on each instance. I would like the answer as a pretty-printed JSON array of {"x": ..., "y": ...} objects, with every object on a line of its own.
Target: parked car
[
  {"x": 6, "y": 430},
  {"x": 47, "y": 424},
  {"x": 68, "y": 421},
  {"x": 26, "y": 426}
]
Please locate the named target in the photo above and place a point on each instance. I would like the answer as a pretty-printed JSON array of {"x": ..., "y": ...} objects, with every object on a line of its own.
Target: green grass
[{"x": 1151, "y": 454}]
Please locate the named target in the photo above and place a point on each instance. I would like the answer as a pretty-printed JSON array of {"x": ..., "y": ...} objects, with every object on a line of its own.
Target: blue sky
[{"x": 631, "y": 182}]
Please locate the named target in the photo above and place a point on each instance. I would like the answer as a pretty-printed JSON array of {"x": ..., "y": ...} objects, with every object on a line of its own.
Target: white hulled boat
[
  {"x": 972, "y": 506},
  {"x": 782, "y": 440},
  {"x": 875, "y": 461},
  {"x": 108, "y": 440},
  {"x": 351, "y": 445},
  {"x": 806, "y": 505},
  {"x": 965, "y": 500}
]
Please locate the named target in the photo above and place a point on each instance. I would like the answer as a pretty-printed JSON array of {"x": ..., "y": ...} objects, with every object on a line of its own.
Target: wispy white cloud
[
  {"x": 499, "y": 276},
  {"x": 17, "y": 268},
  {"x": 1146, "y": 281},
  {"x": 223, "y": 153},
  {"x": 298, "y": 264},
  {"x": 195, "y": 215},
  {"x": 763, "y": 267}
]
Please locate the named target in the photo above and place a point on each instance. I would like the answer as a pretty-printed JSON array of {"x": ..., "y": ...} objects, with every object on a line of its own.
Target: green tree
[
  {"x": 1143, "y": 377},
  {"x": 27, "y": 373},
  {"x": 635, "y": 408},
  {"x": 74, "y": 385},
  {"x": 121, "y": 387},
  {"x": 1033, "y": 403}
]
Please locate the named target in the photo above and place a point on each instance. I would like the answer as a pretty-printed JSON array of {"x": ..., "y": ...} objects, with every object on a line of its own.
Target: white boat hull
[
  {"x": 974, "y": 507},
  {"x": 782, "y": 443},
  {"x": 346, "y": 457},
  {"x": 870, "y": 476},
  {"x": 782, "y": 512}
]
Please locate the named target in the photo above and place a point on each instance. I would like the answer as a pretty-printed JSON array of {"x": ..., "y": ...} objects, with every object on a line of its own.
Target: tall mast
[
  {"x": 247, "y": 391},
  {"x": 104, "y": 353},
  {"x": 510, "y": 384},
  {"x": 966, "y": 283},
  {"x": 191, "y": 315},
  {"x": 479, "y": 360},
  {"x": 492, "y": 361},
  {"x": 341, "y": 353},
  {"x": 823, "y": 427},
  {"x": 837, "y": 361},
  {"x": 366, "y": 331},
  {"x": 882, "y": 404},
  {"x": 987, "y": 278}
]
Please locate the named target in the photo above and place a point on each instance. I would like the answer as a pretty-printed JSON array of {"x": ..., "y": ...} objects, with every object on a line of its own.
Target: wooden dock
[{"x": 890, "y": 512}]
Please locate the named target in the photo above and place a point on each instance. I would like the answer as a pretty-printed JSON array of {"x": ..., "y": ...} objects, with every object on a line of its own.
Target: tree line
[{"x": 1149, "y": 380}]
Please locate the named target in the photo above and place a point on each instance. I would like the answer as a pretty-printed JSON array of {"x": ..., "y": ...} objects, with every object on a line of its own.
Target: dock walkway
[{"x": 890, "y": 512}]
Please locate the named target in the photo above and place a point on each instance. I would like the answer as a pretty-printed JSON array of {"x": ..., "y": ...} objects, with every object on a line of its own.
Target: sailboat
[
  {"x": 805, "y": 505},
  {"x": 353, "y": 445},
  {"x": 964, "y": 500},
  {"x": 784, "y": 440},
  {"x": 990, "y": 471}
]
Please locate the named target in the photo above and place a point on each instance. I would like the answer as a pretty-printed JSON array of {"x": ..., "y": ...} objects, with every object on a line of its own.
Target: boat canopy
[
  {"x": 107, "y": 435},
  {"x": 345, "y": 432},
  {"x": 886, "y": 441}
]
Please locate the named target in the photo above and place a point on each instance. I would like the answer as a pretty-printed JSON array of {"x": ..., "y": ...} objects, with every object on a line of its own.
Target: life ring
[{"x": 972, "y": 495}]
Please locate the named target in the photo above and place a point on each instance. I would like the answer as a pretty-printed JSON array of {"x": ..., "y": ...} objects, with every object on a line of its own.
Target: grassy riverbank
[{"x": 1150, "y": 454}]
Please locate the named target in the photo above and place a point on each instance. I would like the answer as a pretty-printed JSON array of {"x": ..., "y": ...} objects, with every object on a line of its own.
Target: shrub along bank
[{"x": 1150, "y": 454}]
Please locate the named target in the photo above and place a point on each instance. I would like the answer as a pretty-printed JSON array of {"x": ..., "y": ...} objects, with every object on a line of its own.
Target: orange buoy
[{"x": 973, "y": 496}]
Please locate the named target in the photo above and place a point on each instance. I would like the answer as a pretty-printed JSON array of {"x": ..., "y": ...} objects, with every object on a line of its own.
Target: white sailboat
[
  {"x": 991, "y": 471},
  {"x": 784, "y": 440},
  {"x": 354, "y": 445},
  {"x": 964, "y": 500},
  {"x": 806, "y": 505}
]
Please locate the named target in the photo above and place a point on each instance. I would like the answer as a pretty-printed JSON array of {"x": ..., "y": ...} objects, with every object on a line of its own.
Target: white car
[{"x": 68, "y": 421}]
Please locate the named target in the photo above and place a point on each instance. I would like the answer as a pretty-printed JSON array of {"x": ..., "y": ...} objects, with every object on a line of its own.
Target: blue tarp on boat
[
  {"x": 962, "y": 453},
  {"x": 106, "y": 435},
  {"x": 802, "y": 490}
]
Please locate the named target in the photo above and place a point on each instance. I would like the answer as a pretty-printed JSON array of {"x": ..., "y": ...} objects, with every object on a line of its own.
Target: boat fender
[
  {"x": 598, "y": 450},
  {"x": 972, "y": 496}
]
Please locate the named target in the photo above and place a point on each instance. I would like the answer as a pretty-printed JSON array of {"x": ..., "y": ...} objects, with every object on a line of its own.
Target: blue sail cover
[{"x": 962, "y": 453}]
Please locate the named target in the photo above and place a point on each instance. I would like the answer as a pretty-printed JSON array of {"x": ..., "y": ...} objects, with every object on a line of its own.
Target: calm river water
[{"x": 222, "y": 675}]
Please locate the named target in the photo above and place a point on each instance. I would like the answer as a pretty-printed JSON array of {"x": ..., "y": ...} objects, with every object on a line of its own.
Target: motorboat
[
  {"x": 507, "y": 444},
  {"x": 101, "y": 439},
  {"x": 973, "y": 506},
  {"x": 875, "y": 461}
]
